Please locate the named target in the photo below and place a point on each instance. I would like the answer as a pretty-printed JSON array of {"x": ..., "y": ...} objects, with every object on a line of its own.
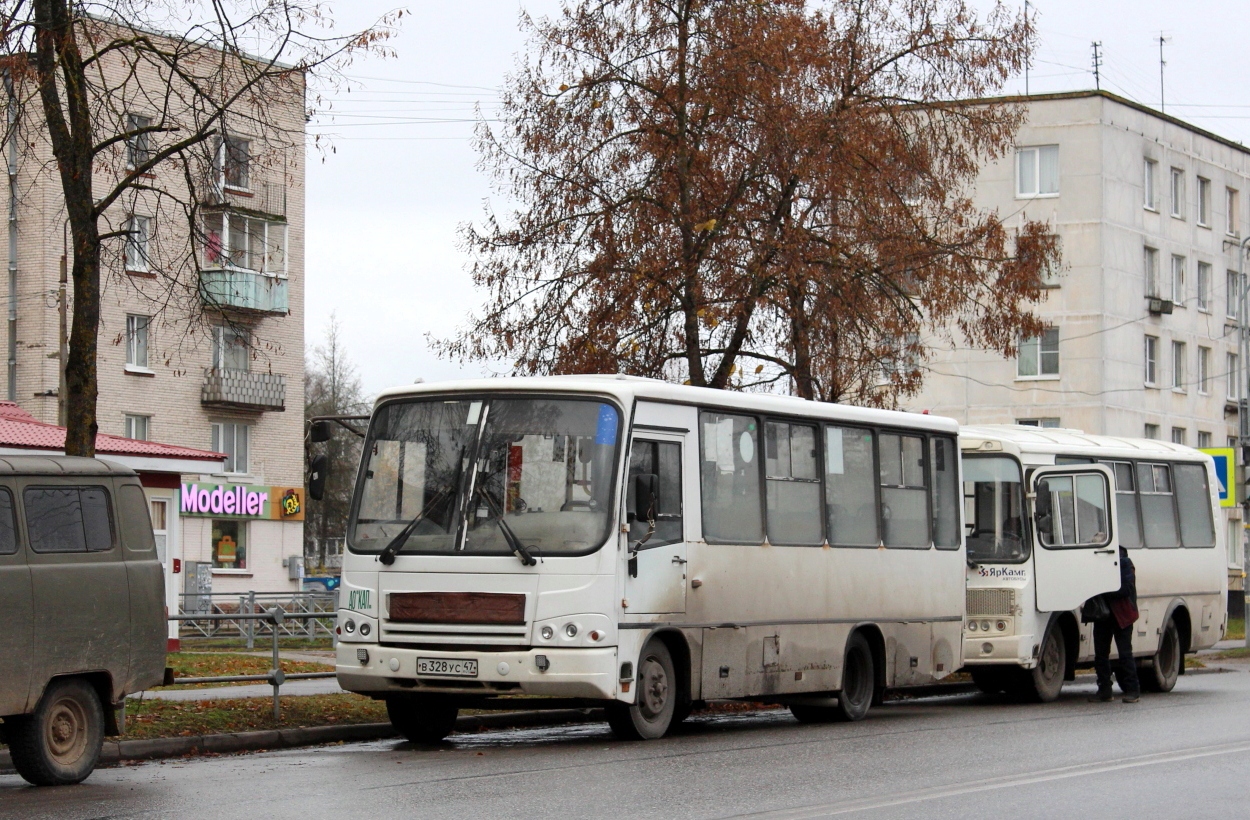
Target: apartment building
[
  {"x": 1141, "y": 337},
  {"x": 201, "y": 341}
]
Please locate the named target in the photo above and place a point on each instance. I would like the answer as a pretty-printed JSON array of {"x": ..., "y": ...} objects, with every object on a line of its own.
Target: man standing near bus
[{"x": 1118, "y": 625}]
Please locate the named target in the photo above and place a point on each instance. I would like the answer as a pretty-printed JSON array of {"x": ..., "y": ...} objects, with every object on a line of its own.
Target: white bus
[
  {"x": 646, "y": 546},
  {"x": 1026, "y": 582}
]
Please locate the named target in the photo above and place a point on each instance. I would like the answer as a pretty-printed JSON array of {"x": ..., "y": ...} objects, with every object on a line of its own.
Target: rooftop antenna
[
  {"x": 1162, "y": 63},
  {"x": 1096, "y": 45},
  {"x": 1028, "y": 31}
]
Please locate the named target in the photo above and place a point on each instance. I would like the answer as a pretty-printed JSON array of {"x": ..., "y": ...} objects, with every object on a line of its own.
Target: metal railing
[
  {"x": 222, "y": 614},
  {"x": 275, "y": 618}
]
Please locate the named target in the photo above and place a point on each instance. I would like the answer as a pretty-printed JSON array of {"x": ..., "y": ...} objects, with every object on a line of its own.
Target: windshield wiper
[
  {"x": 388, "y": 553},
  {"x": 514, "y": 543}
]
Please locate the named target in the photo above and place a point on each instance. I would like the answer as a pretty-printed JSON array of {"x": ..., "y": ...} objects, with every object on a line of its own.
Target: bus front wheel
[
  {"x": 1042, "y": 683},
  {"x": 422, "y": 719},
  {"x": 655, "y": 702}
]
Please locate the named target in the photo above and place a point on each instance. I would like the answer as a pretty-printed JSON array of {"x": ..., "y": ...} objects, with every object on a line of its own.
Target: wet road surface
[{"x": 1184, "y": 754}]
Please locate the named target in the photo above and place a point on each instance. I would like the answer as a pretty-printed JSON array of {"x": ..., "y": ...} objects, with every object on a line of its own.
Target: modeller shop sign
[{"x": 243, "y": 501}]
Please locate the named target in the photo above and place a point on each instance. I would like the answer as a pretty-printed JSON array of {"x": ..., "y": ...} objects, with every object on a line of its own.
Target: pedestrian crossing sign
[{"x": 1225, "y": 470}]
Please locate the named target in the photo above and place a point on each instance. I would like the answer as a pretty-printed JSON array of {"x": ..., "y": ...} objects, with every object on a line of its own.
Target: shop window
[{"x": 229, "y": 544}]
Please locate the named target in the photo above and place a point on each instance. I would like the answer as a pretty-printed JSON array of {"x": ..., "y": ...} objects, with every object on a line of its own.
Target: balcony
[
  {"x": 263, "y": 198},
  {"x": 243, "y": 390},
  {"x": 244, "y": 291}
]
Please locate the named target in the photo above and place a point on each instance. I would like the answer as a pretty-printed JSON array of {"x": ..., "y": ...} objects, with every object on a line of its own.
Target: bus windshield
[
  {"x": 994, "y": 510},
  {"x": 546, "y": 465}
]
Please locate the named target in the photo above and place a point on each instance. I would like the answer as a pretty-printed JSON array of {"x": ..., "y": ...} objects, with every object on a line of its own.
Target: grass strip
[{"x": 168, "y": 718}]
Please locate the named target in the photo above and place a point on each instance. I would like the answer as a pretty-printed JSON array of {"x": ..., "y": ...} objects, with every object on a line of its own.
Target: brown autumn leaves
[{"x": 754, "y": 195}]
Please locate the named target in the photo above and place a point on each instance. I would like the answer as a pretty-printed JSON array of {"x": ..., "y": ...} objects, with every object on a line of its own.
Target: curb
[{"x": 117, "y": 751}]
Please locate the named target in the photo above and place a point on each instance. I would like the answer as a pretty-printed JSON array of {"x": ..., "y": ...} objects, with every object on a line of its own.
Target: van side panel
[
  {"x": 146, "y": 578},
  {"x": 17, "y": 636}
]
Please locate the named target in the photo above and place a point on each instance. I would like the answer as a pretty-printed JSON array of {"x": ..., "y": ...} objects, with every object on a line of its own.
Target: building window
[
  {"x": 1149, "y": 167},
  {"x": 229, "y": 544},
  {"x": 1151, "y": 264},
  {"x": 137, "y": 427},
  {"x": 1151, "y": 431},
  {"x": 137, "y": 329},
  {"x": 1039, "y": 355},
  {"x": 231, "y": 438},
  {"x": 1152, "y": 359},
  {"x": 1178, "y": 366},
  {"x": 1233, "y": 293},
  {"x": 1204, "y": 370},
  {"x": 1204, "y": 202},
  {"x": 1204, "y": 287},
  {"x": 1177, "y": 192},
  {"x": 1037, "y": 171},
  {"x": 1178, "y": 435},
  {"x": 230, "y": 348},
  {"x": 1204, "y": 439},
  {"x": 1178, "y": 281},
  {"x": 139, "y": 143},
  {"x": 234, "y": 241},
  {"x": 1233, "y": 378},
  {"x": 1232, "y": 212},
  {"x": 137, "y": 233},
  {"x": 234, "y": 162},
  {"x": 1043, "y": 422}
]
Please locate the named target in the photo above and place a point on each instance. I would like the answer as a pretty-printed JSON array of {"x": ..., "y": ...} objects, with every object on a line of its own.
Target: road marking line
[{"x": 1007, "y": 781}]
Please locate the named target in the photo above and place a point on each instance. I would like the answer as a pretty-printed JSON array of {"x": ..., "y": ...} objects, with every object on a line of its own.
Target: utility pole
[
  {"x": 1096, "y": 45},
  {"x": 1243, "y": 416},
  {"x": 1162, "y": 63}
]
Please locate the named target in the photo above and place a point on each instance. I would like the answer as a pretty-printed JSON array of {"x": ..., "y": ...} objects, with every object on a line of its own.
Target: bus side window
[
  {"x": 904, "y": 495},
  {"x": 945, "y": 463},
  {"x": 729, "y": 479},
  {"x": 1193, "y": 500},
  {"x": 1154, "y": 484},
  {"x": 850, "y": 487},
  {"x": 793, "y": 484},
  {"x": 663, "y": 460},
  {"x": 1126, "y": 503}
]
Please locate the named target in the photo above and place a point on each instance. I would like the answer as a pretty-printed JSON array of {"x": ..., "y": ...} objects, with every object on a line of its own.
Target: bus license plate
[{"x": 449, "y": 667}]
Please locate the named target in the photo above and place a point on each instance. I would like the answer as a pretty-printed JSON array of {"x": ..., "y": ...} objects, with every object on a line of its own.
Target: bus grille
[{"x": 991, "y": 601}]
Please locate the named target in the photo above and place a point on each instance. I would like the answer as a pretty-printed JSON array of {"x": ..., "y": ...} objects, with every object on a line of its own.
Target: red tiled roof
[{"x": 20, "y": 429}]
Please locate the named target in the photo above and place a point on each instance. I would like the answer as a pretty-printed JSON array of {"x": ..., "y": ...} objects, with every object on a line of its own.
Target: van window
[
  {"x": 68, "y": 519},
  {"x": 851, "y": 487},
  {"x": 132, "y": 508},
  {"x": 945, "y": 461},
  {"x": 729, "y": 474},
  {"x": 793, "y": 484},
  {"x": 1193, "y": 499},
  {"x": 1154, "y": 483},
  {"x": 1125, "y": 503},
  {"x": 904, "y": 502},
  {"x": 8, "y": 525}
]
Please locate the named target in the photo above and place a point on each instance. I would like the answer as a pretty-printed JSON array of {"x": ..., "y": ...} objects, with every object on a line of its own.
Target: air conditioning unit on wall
[{"x": 1158, "y": 307}]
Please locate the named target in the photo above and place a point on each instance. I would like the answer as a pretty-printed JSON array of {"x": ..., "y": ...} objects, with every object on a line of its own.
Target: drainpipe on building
[
  {"x": 62, "y": 338},
  {"x": 11, "y": 119},
  {"x": 1243, "y": 419}
]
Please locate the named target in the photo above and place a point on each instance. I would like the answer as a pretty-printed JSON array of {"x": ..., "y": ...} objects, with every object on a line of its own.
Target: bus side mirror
[
  {"x": 317, "y": 473},
  {"x": 319, "y": 431},
  {"x": 646, "y": 488},
  {"x": 1042, "y": 516}
]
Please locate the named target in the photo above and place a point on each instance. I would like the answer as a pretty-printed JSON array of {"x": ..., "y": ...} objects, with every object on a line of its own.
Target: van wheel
[
  {"x": 1042, "y": 683},
  {"x": 655, "y": 703},
  {"x": 60, "y": 742},
  {"x": 859, "y": 682},
  {"x": 1161, "y": 675},
  {"x": 422, "y": 719}
]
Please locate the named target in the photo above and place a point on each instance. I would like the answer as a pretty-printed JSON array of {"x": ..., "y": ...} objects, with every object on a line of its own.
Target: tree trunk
[{"x": 80, "y": 368}]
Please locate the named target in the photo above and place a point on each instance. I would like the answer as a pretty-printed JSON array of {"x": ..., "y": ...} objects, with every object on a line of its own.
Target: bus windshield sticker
[
  {"x": 605, "y": 432},
  {"x": 475, "y": 410},
  {"x": 833, "y": 450},
  {"x": 725, "y": 445}
]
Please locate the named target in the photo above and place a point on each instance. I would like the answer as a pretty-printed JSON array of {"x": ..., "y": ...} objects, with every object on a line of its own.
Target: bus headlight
[
  {"x": 570, "y": 630},
  {"x": 985, "y": 626},
  {"x": 972, "y": 626},
  {"x": 349, "y": 626},
  {"x": 365, "y": 629},
  {"x": 547, "y": 633}
]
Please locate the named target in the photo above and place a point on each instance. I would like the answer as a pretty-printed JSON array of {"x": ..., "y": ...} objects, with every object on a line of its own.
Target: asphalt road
[{"x": 1180, "y": 755}]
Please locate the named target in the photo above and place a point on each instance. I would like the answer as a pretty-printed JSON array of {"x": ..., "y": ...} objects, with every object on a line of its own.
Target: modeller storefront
[{"x": 248, "y": 533}]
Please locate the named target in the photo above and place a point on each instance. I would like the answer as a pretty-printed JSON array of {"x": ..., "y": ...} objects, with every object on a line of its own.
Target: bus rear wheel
[
  {"x": 859, "y": 688},
  {"x": 422, "y": 719},
  {"x": 655, "y": 701},
  {"x": 1161, "y": 675},
  {"x": 1042, "y": 683},
  {"x": 59, "y": 743}
]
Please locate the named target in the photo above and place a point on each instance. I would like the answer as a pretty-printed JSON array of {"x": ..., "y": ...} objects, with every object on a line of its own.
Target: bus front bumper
[
  {"x": 571, "y": 673},
  {"x": 1008, "y": 649}
]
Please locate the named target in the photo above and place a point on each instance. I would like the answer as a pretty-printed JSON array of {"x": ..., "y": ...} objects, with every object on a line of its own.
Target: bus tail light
[{"x": 595, "y": 635}]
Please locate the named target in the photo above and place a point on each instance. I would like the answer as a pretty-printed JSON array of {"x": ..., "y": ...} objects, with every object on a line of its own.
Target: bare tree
[
  {"x": 749, "y": 194},
  {"x": 134, "y": 108}
]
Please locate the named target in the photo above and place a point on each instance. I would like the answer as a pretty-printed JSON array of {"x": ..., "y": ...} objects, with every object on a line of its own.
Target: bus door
[
  {"x": 1076, "y": 555},
  {"x": 656, "y": 579}
]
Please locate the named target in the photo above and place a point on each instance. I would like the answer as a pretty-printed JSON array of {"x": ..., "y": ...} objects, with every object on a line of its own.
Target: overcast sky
[{"x": 384, "y": 207}]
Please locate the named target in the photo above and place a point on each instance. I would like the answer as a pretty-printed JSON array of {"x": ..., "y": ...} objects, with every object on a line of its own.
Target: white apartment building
[
  {"x": 1142, "y": 337},
  {"x": 216, "y": 365}
]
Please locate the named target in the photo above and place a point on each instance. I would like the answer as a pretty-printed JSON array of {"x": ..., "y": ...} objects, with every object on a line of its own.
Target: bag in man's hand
[{"x": 1095, "y": 609}]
